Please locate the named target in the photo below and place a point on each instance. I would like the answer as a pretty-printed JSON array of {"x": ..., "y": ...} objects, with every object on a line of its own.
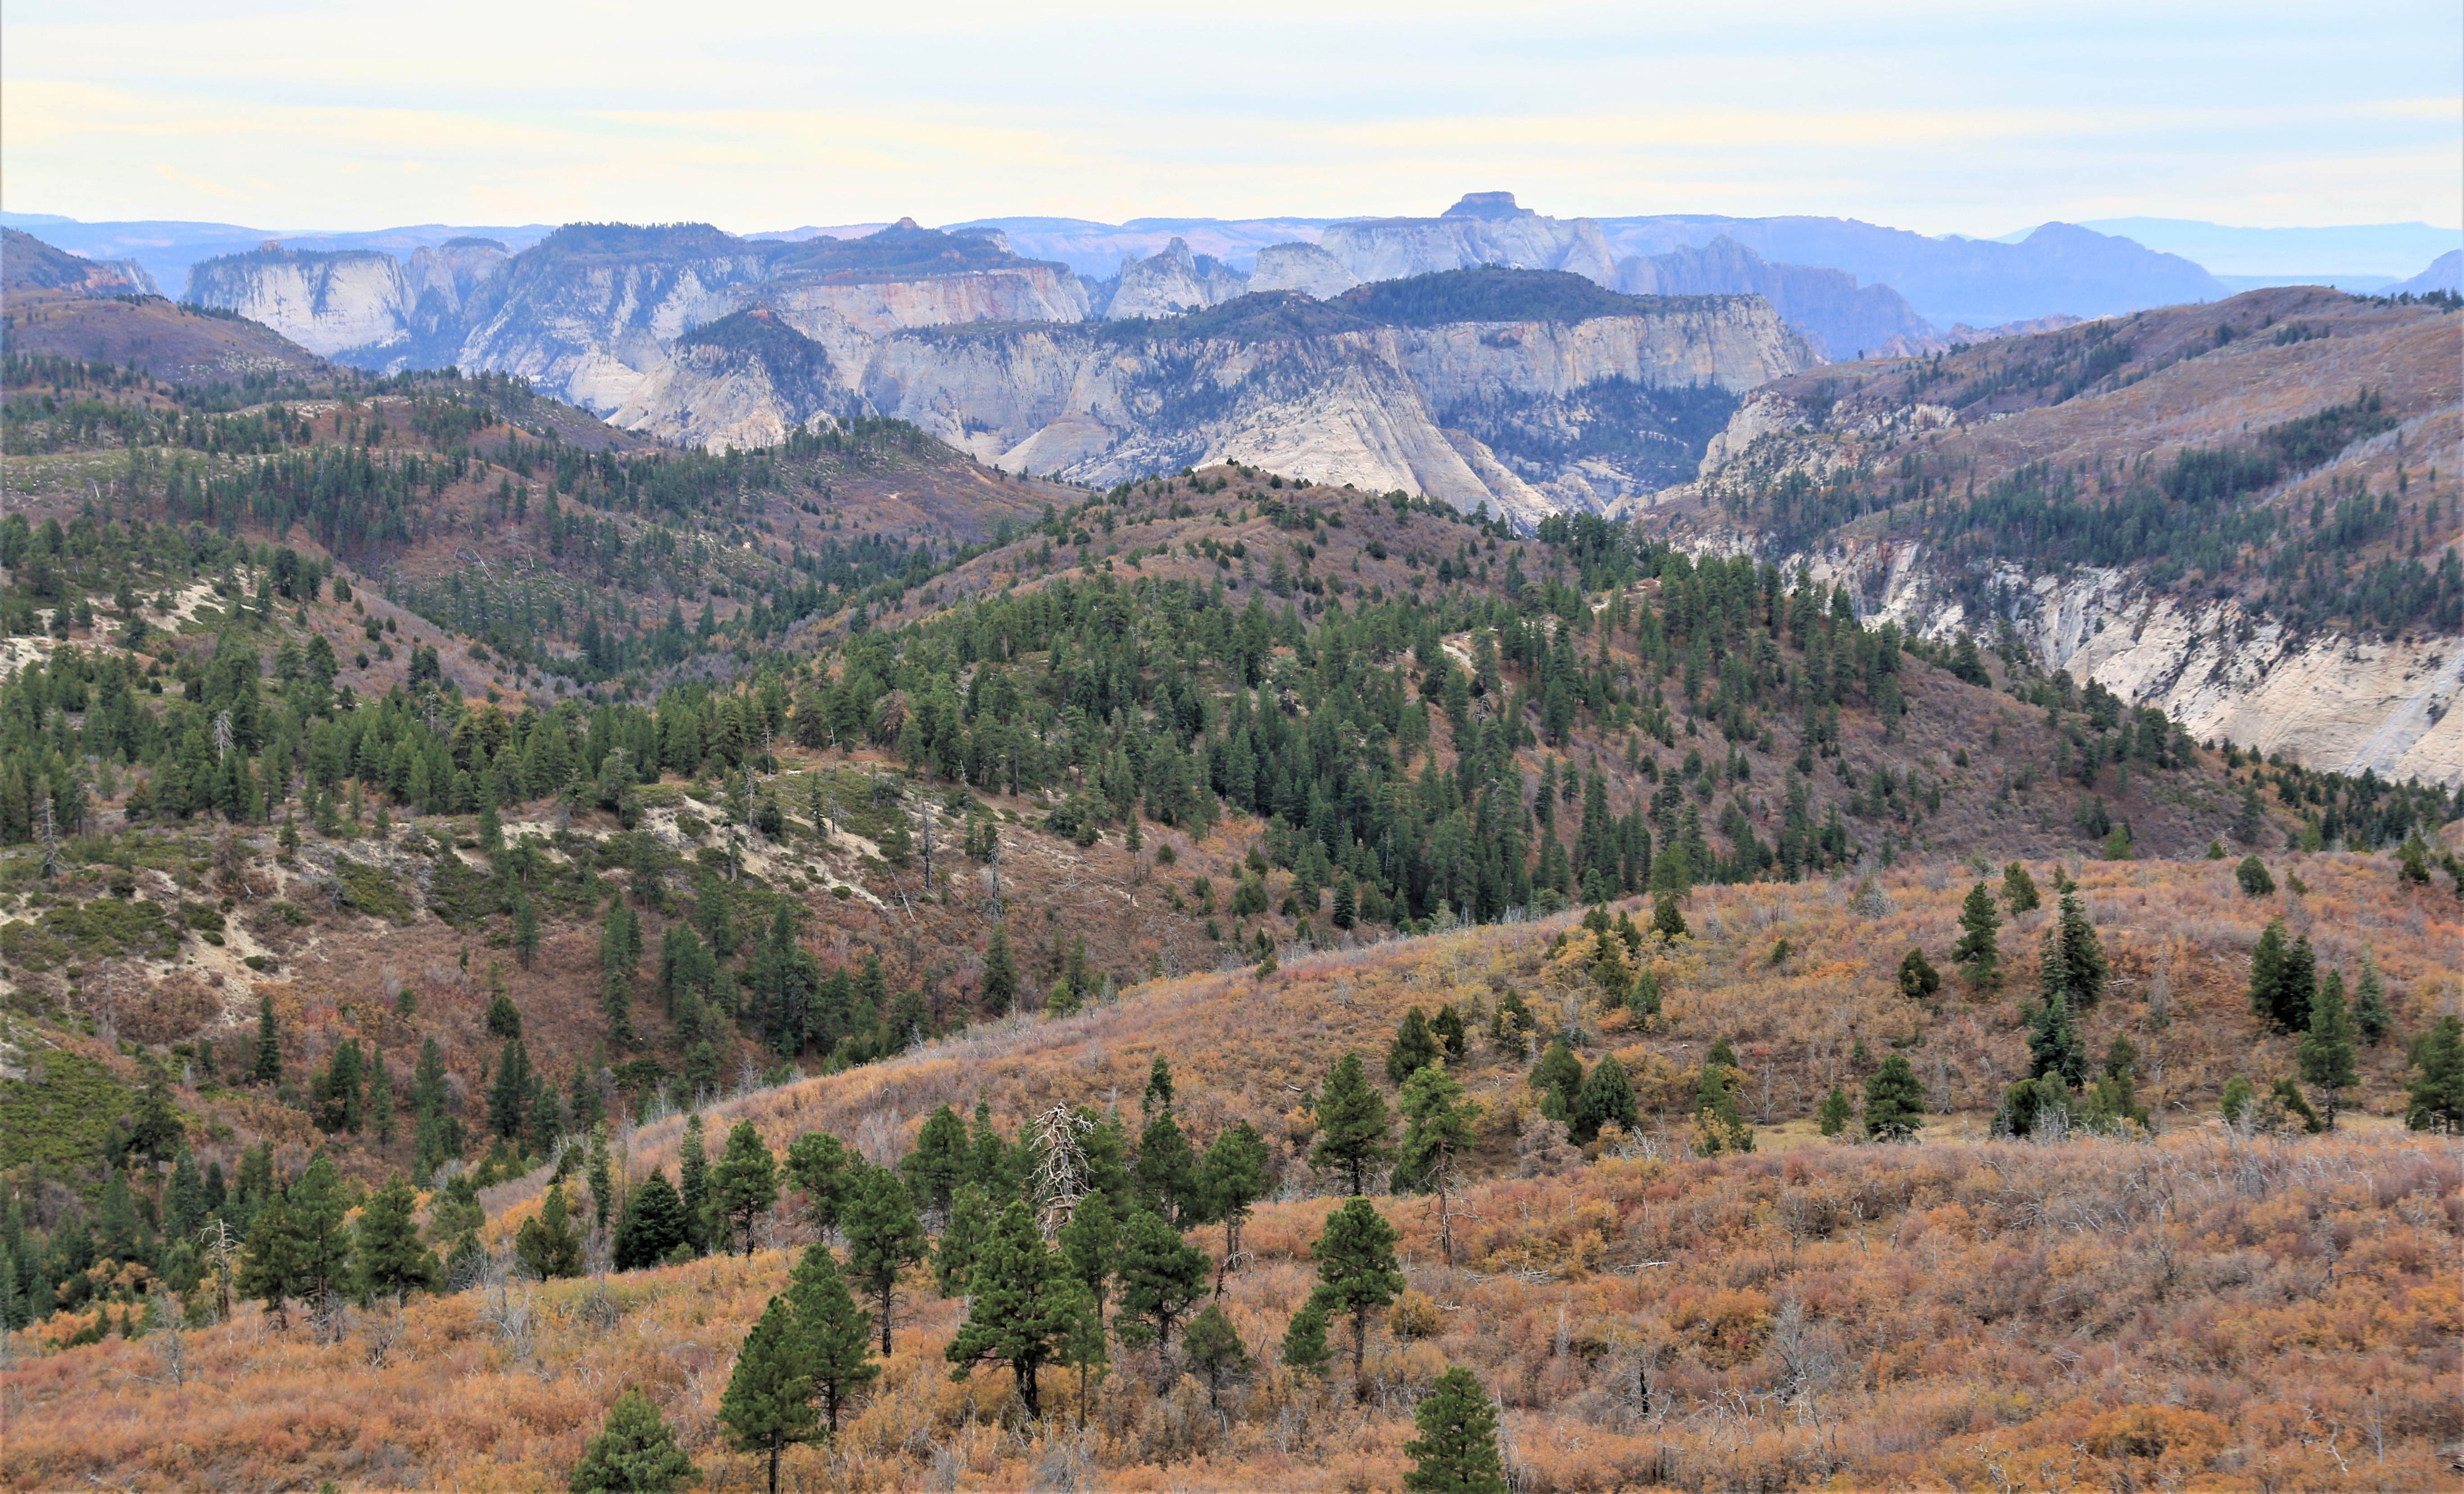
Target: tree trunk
[
  {"x": 885, "y": 1293},
  {"x": 775, "y": 1445},
  {"x": 1026, "y": 1390}
]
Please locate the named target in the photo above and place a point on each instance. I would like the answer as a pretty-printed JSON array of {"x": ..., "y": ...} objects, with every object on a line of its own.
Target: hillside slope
[{"x": 2246, "y": 515}]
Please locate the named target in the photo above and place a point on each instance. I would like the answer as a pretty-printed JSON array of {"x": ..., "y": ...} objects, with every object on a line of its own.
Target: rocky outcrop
[
  {"x": 1483, "y": 229},
  {"x": 1304, "y": 268},
  {"x": 1526, "y": 415},
  {"x": 1174, "y": 283},
  {"x": 588, "y": 313},
  {"x": 326, "y": 302}
]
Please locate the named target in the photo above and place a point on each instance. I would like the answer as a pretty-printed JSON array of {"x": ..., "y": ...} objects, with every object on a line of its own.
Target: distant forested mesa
[{"x": 2194, "y": 520}]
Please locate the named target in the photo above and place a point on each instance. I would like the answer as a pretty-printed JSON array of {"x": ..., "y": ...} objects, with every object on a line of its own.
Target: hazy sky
[{"x": 1945, "y": 117}]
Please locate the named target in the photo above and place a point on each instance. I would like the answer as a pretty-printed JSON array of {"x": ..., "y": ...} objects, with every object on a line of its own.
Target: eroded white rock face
[
  {"x": 325, "y": 302},
  {"x": 1392, "y": 249},
  {"x": 1304, "y": 268},
  {"x": 2330, "y": 701},
  {"x": 1173, "y": 282}
]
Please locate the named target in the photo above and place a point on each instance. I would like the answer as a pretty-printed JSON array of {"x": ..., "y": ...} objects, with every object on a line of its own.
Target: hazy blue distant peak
[{"x": 2344, "y": 250}]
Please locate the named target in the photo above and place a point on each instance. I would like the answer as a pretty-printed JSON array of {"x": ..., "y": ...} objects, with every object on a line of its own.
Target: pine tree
[
  {"x": 509, "y": 1093},
  {"x": 1083, "y": 1348},
  {"x": 939, "y": 1162},
  {"x": 2435, "y": 1093},
  {"x": 883, "y": 1240},
  {"x": 1979, "y": 951},
  {"x": 2081, "y": 954},
  {"x": 270, "y": 1272},
  {"x": 2327, "y": 1047},
  {"x": 1413, "y": 1048},
  {"x": 1167, "y": 1173},
  {"x": 1437, "y": 1131},
  {"x": 692, "y": 1185},
  {"x": 654, "y": 1225},
  {"x": 1347, "y": 905},
  {"x": 269, "y": 1043},
  {"x": 745, "y": 1182},
  {"x": 2371, "y": 1020},
  {"x": 635, "y": 1453},
  {"x": 2251, "y": 822},
  {"x": 837, "y": 1333},
  {"x": 320, "y": 1230},
  {"x": 2253, "y": 875},
  {"x": 1356, "y": 1271},
  {"x": 380, "y": 1103},
  {"x": 819, "y": 1166},
  {"x": 1606, "y": 1097},
  {"x": 1214, "y": 1350},
  {"x": 1352, "y": 1124},
  {"x": 547, "y": 1245},
  {"x": 392, "y": 1262},
  {"x": 1559, "y": 1076},
  {"x": 1447, "y": 1028},
  {"x": 1161, "y": 1275},
  {"x": 768, "y": 1403},
  {"x": 1894, "y": 1101},
  {"x": 1001, "y": 973},
  {"x": 1665, "y": 916},
  {"x": 1305, "y": 1350},
  {"x": 526, "y": 927},
  {"x": 1918, "y": 979},
  {"x": 2054, "y": 1042},
  {"x": 1090, "y": 1244},
  {"x": 1456, "y": 1452},
  {"x": 2020, "y": 890},
  {"x": 962, "y": 1238},
  {"x": 1022, "y": 1310},
  {"x": 1837, "y": 1112},
  {"x": 1720, "y": 1125},
  {"x": 1235, "y": 1174}
]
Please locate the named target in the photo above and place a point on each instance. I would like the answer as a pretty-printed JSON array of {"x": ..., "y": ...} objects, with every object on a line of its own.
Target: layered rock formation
[
  {"x": 1174, "y": 283},
  {"x": 1532, "y": 409},
  {"x": 1306, "y": 268},
  {"x": 326, "y": 302},
  {"x": 1483, "y": 229},
  {"x": 1841, "y": 318}
]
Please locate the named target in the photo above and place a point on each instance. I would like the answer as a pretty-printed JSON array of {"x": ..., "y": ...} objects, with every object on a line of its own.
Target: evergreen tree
[
  {"x": 939, "y": 1162},
  {"x": 1606, "y": 1097},
  {"x": 2371, "y": 1018},
  {"x": 1357, "y": 1274},
  {"x": 1214, "y": 1350},
  {"x": 1979, "y": 951},
  {"x": 1837, "y": 1112},
  {"x": 1719, "y": 1123},
  {"x": 883, "y": 1240},
  {"x": 1894, "y": 1101},
  {"x": 1161, "y": 1274},
  {"x": 2054, "y": 1044},
  {"x": 320, "y": 1231},
  {"x": 692, "y": 1185},
  {"x": 1665, "y": 916},
  {"x": 2435, "y": 1093},
  {"x": 392, "y": 1262},
  {"x": 1022, "y": 1310},
  {"x": 504, "y": 1017},
  {"x": 1437, "y": 1131},
  {"x": 953, "y": 1259},
  {"x": 1413, "y": 1050},
  {"x": 635, "y": 1453},
  {"x": 1001, "y": 973},
  {"x": 2282, "y": 978},
  {"x": 1447, "y": 1028},
  {"x": 1235, "y": 1174},
  {"x": 526, "y": 927},
  {"x": 1083, "y": 1348},
  {"x": 380, "y": 1103},
  {"x": 1559, "y": 1076},
  {"x": 509, "y": 1093},
  {"x": 768, "y": 1403},
  {"x": 745, "y": 1182},
  {"x": 271, "y": 1273},
  {"x": 837, "y": 1333},
  {"x": 2075, "y": 955},
  {"x": 269, "y": 1043},
  {"x": 1305, "y": 1350},
  {"x": 2327, "y": 1047},
  {"x": 2252, "y": 874},
  {"x": 1090, "y": 1247},
  {"x": 654, "y": 1225},
  {"x": 2251, "y": 823},
  {"x": 820, "y": 1167},
  {"x": 1352, "y": 1124},
  {"x": 1456, "y": 1452},
  {"x": 2020, "y": 890},
  {"x": 1918, "y": 979},
  {"x": 547, "y": 1245}
]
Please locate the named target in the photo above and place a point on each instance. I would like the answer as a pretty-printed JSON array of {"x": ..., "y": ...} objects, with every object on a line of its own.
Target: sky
[{"x": 1939, "y": 116}]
